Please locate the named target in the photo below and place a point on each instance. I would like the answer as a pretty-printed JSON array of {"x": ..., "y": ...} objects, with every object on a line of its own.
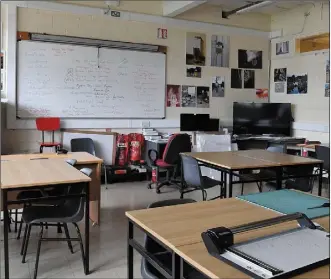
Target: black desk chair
[
  {"x": 70, "y": 211},
  {"x": 86, "y": 145},
  {"x": 323, "y": 153},
  {"x": 177, "y": 144},
  {"x": 30, "y": 194},
  {"x": 194, "y": 180},
  {"x": 163, "y": 255}
]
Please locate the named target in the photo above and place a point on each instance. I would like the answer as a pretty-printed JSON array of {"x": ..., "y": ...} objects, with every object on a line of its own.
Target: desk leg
[
  {"x": 5, "y": 231},
  {"x": 230, "y": 183},
  {"x": 225, "y": 179},
  {"x": 130, "y": 251},
  {"x": 175, "y": 266},
  {"x": 279, "y": 178},
  {"x": 320, "y": 180},
  {"x": 87, "y": 228}
]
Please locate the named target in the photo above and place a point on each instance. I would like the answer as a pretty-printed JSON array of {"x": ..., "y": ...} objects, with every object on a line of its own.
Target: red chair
[{"x": 48, "y": 124}]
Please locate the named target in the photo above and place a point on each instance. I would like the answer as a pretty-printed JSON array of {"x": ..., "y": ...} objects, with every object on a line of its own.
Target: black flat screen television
[
  {"x": 262, "y": 118},
  {"x": 187, "y": 122}
]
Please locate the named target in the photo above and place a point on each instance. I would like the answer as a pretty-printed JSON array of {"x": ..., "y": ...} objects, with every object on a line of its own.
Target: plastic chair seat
[
  {"x": 162, "y": 164},
  {"x": 50, "y": 144},
  {"x": 49, "y": 214},
  {"x": 209, "y": 182}
]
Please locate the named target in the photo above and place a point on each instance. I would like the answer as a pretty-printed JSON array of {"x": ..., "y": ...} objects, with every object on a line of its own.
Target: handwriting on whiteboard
[{"x": 74, "y": 81}]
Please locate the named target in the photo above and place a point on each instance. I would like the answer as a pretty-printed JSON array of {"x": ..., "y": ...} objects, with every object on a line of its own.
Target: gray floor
[{"x": 107, "y": 242}]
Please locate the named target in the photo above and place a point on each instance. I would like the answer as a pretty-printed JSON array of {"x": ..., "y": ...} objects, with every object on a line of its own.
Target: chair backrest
[
  {"x": 82, "y": 145},
  {"x": 276, "y": 149},
  {"x": 323, "y": 153},
  {"x": 151, "y": 245},
  {"x": 176, "y": 144},
  {"x": 75, "y": 207},
  {"x": 48, "y": 123},
  {"x": 71, "y": 162},
  {"x": 191, "y": 172}
]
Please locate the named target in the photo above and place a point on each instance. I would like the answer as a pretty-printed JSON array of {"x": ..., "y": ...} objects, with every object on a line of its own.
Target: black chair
[
  {"x": 193, "y": 179},
  {"x": 305, "y": 184},
  {"x": 86, "y": 145},
  {"x": 30, "y": 194},
  {"x": 70, "y": 211},
  {"x": 263, "y": 174},
  {"x": 170, "y": 161},
  {"x": 162, "y": 254},
  {"x": 323, "y": 153}
]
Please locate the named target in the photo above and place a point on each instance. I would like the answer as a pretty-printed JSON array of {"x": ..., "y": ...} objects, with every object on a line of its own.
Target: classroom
[{"x": 165, "y": 139}]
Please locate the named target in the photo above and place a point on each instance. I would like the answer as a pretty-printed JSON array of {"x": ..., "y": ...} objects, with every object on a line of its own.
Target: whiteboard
[{"x": 71, "y": 81}]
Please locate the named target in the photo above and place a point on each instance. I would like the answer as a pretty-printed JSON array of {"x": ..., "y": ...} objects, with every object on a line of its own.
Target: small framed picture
[{"x": 282, "y": 48}]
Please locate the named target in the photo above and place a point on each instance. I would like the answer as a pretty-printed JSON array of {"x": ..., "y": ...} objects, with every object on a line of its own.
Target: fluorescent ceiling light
[{"x": 255, "y": 6}]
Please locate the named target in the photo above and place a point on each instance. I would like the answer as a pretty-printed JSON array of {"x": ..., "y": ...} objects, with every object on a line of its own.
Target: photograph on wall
[
  {"x": 280, "y": 87},
  {"x": 189, "y": 96},
  {"x": 218, "y": 86},
  {"x": 328, "y": 71},
  {"x": 282, "y": 48},
  {"x": 249, "y": 59},
  {"x": 195, "y": 49},
  {"x": 2, "y": 60},
  {"x": 249, "y": 79},
  {"x": 327, "y": 90},
  {"x": 203, "y": 97},
  {"x": 194, "y": 72},
  {"x": 220, "y": 51},
  {"x": 280, "y": 75},
  {"x": 297, "y": 84},
  {"x": 2, "y": 80},
  {"x": 236, "y": 78},
  {"x": 262, "y": 93},
  {"x": 173, "y": 95}
]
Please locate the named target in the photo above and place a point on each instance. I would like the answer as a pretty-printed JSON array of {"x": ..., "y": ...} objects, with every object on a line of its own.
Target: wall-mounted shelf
[{"x": 313, "y": 43}]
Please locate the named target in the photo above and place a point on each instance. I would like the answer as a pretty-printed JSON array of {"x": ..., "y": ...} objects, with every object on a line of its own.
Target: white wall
[
  {"x": 311, "y": 110},
  {"x": 105, "y": 27}
]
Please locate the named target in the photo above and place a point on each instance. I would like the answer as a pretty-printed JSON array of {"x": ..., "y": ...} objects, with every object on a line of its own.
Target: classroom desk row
[
  {"x": 84, "y": 160},
  {"x": 179, "y": 231},
  {"x": 230, "y": 162},
  {"x": 35, "y": 171}
]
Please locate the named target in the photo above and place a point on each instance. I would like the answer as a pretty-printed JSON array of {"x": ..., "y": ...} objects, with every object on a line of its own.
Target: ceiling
[{"x": 270, "y": 9}]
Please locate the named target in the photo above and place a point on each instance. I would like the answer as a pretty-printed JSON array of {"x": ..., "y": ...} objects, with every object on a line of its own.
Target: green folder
[{"x": 289, "y": 201}]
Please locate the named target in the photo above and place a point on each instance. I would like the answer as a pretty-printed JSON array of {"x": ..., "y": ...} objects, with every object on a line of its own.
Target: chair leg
[
  {"x": 59, "y": 230},
  {"x": 38, "y": 252},
  {"x": 26, "y": 243},
  {"x": 65, "y": 226},
  {"x": 19, "y": 230},
  {"x": 24, "y": 238},
  {"x": 80, "y": 243},
  {"x": 16, "y": 217},
  {"x": 242, "y": 188}
]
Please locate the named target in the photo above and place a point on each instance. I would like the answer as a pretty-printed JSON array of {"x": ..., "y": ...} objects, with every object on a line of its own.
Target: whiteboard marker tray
[{"x": 281, "y": 255}]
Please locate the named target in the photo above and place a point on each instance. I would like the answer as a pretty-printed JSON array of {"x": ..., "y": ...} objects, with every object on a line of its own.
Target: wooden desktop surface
[
  {"x": 81, "y": 157},
  {"x": 17, "y": 174},
  {"x": 250, "y": 159},
  {"x": 197, "y": 255},
  {"x": 179, "y": 227},
  {"x": 182, "y": 224}
]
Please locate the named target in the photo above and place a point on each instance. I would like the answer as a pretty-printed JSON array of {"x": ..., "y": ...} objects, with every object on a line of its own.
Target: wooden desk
[
  {"x": 179, "y": 229},
  {"x": 230, "y": 161},
  {"x": 84, "y": 159},
  {"x": 20, "y": 175}
]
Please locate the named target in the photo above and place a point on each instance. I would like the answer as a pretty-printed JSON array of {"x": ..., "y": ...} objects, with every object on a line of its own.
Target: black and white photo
[
  {"x": 280, "y": 87},
  {"x": 195, "y": 49},
  {"x": 280, "y": 75},
  {"x": 236, "y": 78},
  {"x": 297, "y": 84},
  {"x": 282, "y": 47},
  {"x": 327, "y": 90},
  {"x": 328, "y": 71},
  {"x": 220, "y": 51},
  {"x": 218, "y": 86},
  {"x": 189, "y": 96},
  {"x": 203, "y": 97},
  {"x": 249, "y": 59},
  {"x": 249, "y": 79},
  {"x": 194, "y": 72}
]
